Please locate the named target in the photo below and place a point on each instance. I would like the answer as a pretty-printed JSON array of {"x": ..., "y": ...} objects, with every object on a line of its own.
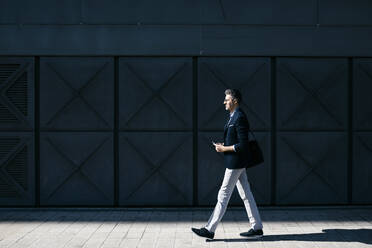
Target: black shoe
[
  {"x": 252, "y": 234},
  {"x": 202, "y": 232}
]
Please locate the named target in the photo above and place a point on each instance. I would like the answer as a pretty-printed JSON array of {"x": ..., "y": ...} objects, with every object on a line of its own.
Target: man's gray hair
[{"x": 235, "y": 94}]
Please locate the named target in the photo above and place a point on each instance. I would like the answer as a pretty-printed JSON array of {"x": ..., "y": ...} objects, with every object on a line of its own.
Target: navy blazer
[{"x": 236, "y": 133}]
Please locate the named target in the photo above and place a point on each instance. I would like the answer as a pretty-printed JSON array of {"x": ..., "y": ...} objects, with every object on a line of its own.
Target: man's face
[{"x": 229, "y": 102}]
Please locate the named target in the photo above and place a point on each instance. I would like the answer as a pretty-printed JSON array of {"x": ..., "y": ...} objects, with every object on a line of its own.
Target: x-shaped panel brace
[
  {"x": 241, "y": 86},
  {"x": 155, "y": 168},
  {"x": 6, "y": 85},
  {"x": 77, "y": 94},
  {"x": 313, "y": 94},
  {"x": 77, "y": 168},
  {"x": 312, "y": 169},
  {"x": 9, "y": 157},
  {"x": 155, "y": 93},
  {"x": 364, "y": 144}
]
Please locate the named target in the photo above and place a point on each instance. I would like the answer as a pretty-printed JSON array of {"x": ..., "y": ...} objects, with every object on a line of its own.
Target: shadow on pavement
[{"x": 328, "y": 235}]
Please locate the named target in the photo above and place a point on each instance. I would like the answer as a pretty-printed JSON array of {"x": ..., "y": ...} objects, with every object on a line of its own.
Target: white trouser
[{"x": 239, "y": 178}]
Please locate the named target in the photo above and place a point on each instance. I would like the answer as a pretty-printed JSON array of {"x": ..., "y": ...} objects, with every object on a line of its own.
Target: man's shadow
[{"x": 329, "y": 235}]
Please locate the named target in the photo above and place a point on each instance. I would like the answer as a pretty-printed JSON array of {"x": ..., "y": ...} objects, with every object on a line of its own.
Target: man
[{"x": 236, "y": 158}]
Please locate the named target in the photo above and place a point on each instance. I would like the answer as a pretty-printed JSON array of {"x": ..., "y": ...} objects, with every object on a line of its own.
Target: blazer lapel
[
  {"x": 232, "y": 121},
  {"x": 227, "y": 121}
]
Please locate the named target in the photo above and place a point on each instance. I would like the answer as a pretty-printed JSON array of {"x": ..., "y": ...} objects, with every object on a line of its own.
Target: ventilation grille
[
  {"x": 6, "y": 116},
  {"x": 17, "y": 93},
  {"x": 6, "y": 70},
  {"x": 7, "y": 190},
  {"x": 16, "y": 168},
  {"x": 7, "y": 145}
]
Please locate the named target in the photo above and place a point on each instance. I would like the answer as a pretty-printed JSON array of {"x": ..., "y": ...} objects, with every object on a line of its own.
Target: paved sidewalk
[{"x": 163, "y": 228}]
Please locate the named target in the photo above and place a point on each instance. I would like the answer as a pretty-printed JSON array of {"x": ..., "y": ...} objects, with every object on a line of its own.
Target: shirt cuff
[{"x": 234, "y": 148}]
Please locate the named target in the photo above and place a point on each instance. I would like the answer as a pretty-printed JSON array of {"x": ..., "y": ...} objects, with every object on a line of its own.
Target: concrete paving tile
[
  {"x": 129, "y": 243},
  {"x": 121, "y": 227},
  {"x": 200, "y": 242},
  {"x": 167, "y": 235},
  {"x": 183, "y": 242},
  {"x": 115, "y": 235},
  {"x": 150, "y": 235},
  {"x": 17, "y": 245},
  {"x": 165, "y": 243},
  {"x": 107, "y": 228},
  {"x": 112, "y": 242},
  {"x": 134, "y": 234},
  {"x": 146, "y": 243},
  {"x": 184, "y": 235}
]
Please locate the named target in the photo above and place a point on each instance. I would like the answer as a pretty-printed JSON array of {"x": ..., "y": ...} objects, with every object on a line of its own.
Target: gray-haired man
[{"x": 236, "y": 158}]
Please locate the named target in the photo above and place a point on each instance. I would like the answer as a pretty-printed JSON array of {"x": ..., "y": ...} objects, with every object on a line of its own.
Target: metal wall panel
[
  {"x": 75, "y": 40},
  {"x": 9, "y": 11},
  {"x": 144, "y": 12},
  {"x": 17, "y": 169},
  {"x": 76, "y": 169},
  {"x": 311, "y": 168},
  {"x": 362, "y": 101},
  {"x": 250, "y": 75},
  {"x": 267, "y": 12},
  {"x": 198, "y": 12},
  {"x": 362, "y": 127},
  {"x": 240, "y": 40},
  {"x": 49, "y": 12},
  {"x": 16, "y": 93},
  {"x": 155, "y": 93},
  {"x": 155, "y": 168},
  {"x": 211, "y": 171},
  {"x": 345, "y": 12},
  {"x": 76, "y": 93},
  {"x": 312, "y": 94},
  {"x": 315, "y": 145},
  {"x": 362, "y": 169},
  {"x": 184, "y": 40}
]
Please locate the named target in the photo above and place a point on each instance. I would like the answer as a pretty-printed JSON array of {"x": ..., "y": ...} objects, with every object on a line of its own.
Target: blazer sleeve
[{"x": 242, "y": 128}]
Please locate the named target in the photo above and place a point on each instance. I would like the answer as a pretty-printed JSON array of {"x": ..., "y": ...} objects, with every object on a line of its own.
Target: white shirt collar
[{"x": 232, "y": 113}]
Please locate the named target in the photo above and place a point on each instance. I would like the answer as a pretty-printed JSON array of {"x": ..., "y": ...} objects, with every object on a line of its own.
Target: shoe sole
[
  {"x": 200, "y": 235},
  {"x": 252, "y": 237}
]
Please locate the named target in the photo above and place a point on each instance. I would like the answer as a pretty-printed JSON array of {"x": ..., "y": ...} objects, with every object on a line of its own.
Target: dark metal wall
[{"x": 116, "y": 103}]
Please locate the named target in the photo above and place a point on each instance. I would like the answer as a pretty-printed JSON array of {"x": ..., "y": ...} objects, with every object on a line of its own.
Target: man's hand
[
  {"x": 219, "y": 147},
  {"x": 218, "y": 143}
]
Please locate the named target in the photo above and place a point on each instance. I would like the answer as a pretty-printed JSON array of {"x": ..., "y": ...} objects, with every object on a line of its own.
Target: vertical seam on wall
[
  {"x": 317, "y": 12},
  {"x": 37, "y": 130},
  {"x": 273, "y": 129},
  {"x": 116, "y": 131},
  {"x": 350, "y": 132},
  {"x": 195, "y": 130},
  {"x": 81, "y": 12}
]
